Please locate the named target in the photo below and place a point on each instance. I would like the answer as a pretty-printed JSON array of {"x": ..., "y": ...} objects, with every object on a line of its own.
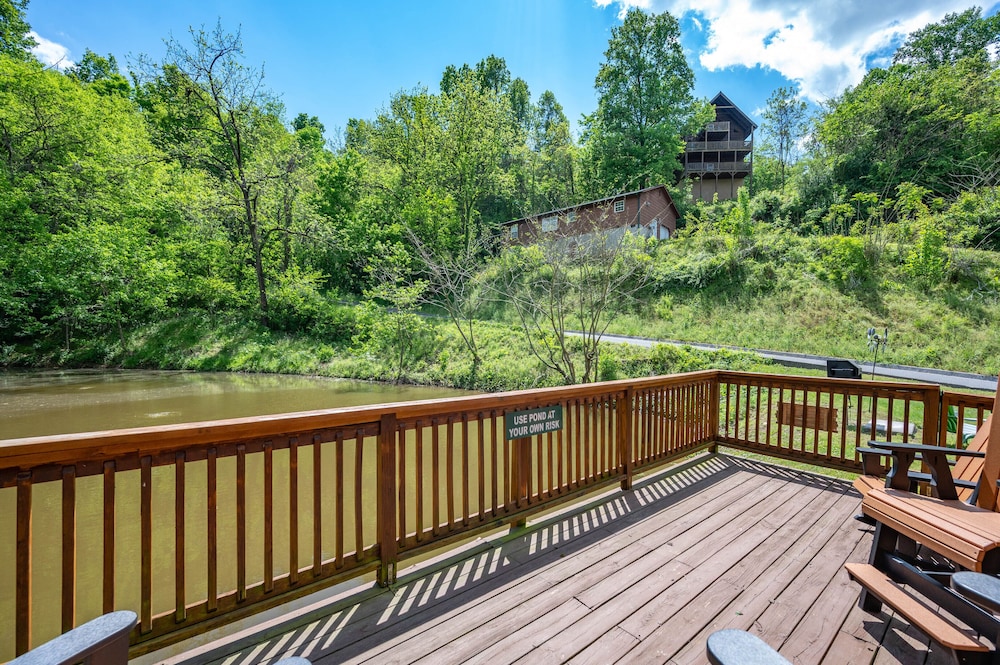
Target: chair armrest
[
  {"x": 738, "y": 647},
  {"x": 980, "y": 588},
  {"x": 104, "y": 639},
  {"x": 886, "y": 447}
]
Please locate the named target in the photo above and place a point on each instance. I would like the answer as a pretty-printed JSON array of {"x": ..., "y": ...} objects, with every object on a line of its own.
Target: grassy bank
[
  {"x": 769, "y": 290},
  {"x": 215, "y": 343}
]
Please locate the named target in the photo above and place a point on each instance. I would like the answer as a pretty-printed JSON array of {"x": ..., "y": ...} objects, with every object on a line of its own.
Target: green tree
[
  {"x": 913, "y": 124},
  {"x": 397, "y": 333},
  {"x": 554, "y": 154},
  {"x": 957, "y": 36},
  {"x": 215, "y": 114},
  {"x": 645, "y": 103},
  {"x": 448, "y": 150},
  {"x": 558, "y": 284},
  {"x": 101, "y": 73},
  {"x": 14, "y": 38},
  {"x": 784, "y": 127}
]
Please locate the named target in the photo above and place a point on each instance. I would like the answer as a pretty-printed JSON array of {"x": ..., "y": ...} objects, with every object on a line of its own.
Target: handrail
[{"x": 195, "y": 525}]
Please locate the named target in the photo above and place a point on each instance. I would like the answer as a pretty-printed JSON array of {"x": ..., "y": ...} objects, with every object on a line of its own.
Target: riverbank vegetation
[{"x": 173, "y": 214}]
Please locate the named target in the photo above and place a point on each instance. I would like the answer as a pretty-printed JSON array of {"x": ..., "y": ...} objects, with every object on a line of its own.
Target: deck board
[{"x": 645, "y": 577}]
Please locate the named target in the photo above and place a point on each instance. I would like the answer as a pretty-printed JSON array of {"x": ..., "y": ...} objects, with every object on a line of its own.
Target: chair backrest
[
  {"x": 971, "y": 468},
  {"x": 987, "y": 497}
]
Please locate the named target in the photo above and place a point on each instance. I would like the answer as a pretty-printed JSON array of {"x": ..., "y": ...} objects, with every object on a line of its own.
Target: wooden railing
[
  {"x": 195, "y": 525},
  {"x": 716, "y": 167},
  {"x": 823, "y": 421},
  {"x": 695, "y": 146}
]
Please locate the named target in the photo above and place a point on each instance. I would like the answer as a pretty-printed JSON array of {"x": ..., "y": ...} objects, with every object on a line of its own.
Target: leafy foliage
[
  {"x": 645, "y": 104},
  {"x": 181, "y": 206}
]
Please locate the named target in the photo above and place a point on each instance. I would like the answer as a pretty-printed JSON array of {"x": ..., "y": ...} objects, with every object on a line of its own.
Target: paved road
[{"x": 966, "y": 380}]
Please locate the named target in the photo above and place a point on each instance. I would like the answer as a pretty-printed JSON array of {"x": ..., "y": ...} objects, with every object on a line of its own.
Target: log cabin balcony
[
  {"x": 716, "y": 168},
  {"x": 696, "y": 146},
  {"x": 612, "y": 522}
]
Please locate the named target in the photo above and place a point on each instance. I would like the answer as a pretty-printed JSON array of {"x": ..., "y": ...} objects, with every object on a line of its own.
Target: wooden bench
[{"x": 809, "y": 416}]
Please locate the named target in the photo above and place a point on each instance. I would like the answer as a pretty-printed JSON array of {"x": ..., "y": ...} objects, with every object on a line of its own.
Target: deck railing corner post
[
  {"x": 625, "y": 447},
  {"x": 388, "y": 549},
  {"x": 932, "y": 415}
]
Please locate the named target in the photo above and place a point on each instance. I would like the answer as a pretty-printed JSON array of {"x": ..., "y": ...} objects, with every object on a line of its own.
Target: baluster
[
  {"x": 68, "y": 548},
  {"x": 268, "y": 517},
  {"x": 317, "y": 450},
  {"x": 213, "y": 533},
  {"x": 293, "y": 511},
  {"x": 108, "y": 577},
  {"x": 146, "y": 543},
  {"x": 22, "y": 566},
  {"x": 180, "y": 522}
]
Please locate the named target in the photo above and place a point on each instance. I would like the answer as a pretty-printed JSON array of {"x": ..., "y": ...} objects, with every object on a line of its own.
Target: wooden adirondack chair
[
  {"x": 921, "y": 540},
  {"x": 965, "y": 472}
]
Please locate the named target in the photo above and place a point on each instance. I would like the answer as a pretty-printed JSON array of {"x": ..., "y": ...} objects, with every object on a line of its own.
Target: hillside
[{"x": 818, "y": 295}]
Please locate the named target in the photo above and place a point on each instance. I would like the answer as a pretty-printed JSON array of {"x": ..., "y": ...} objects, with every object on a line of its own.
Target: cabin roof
[
  {"x": 721, "y": 101},
  {"x": 595, "y": 202}
]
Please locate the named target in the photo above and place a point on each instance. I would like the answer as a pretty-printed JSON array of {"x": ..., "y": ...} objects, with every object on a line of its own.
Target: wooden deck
[{"x": 643, "y": 577}]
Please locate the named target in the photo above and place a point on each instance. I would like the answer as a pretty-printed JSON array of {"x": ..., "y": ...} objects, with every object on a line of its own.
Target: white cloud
[
  {"x": 823, "y": 45},
  {"x": 51, "y": 53}
]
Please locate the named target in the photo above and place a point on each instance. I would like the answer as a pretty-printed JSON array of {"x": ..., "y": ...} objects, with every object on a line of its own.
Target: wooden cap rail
[{"x": 195, "y": 525}]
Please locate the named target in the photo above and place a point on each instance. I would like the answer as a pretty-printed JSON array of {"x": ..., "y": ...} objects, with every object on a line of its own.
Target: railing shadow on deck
[
  {"x": 194, "y": 525},
  {"x": 351, "y": 628},
  {"x": 348, "y": 628}
]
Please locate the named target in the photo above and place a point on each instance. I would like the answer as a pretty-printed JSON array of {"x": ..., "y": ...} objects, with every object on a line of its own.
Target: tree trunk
[{"x": 250, "y": 205}]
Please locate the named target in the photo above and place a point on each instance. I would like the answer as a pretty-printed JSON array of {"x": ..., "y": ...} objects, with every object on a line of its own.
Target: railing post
[
  {"x": 520, "y": 473},
  {"x": 625, "y": 446},
  {"x": 932, "y": 415},
  {"x": 388, "y": 549},
  {"x": 713, "y": 411}
]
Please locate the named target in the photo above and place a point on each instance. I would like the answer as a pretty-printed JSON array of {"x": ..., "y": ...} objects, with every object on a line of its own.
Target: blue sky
[{"x": 339, "y": 60}]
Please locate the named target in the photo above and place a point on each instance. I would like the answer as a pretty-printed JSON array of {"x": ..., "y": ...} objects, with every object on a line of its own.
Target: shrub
[{"x": 843, "y": 261}]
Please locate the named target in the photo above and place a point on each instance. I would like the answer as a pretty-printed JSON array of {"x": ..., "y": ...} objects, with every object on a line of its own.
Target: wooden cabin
[
  {"x": 646, "y": 212},
  {"x": 719, "y": 159}
]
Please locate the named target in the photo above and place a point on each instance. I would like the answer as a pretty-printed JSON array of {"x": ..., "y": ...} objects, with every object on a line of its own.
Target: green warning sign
[{"x": 521, "y": 424}]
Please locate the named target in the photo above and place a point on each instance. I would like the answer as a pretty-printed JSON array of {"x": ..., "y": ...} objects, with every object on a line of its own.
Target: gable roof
[
  {"x": 608, "y": 199},
  {"x": 721, "y": 100}
]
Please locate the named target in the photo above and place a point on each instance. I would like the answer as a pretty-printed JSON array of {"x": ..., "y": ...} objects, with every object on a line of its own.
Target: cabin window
[
  {"x": 550, "y": 223},
  {"x": 513, "y": 232},
  {"x": 620, "y": 206}
]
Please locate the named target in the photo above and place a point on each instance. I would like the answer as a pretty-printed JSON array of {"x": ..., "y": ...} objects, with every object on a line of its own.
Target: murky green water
[
  {"x": 60, "y": 402},
  {"x": 43, "y": 403}
]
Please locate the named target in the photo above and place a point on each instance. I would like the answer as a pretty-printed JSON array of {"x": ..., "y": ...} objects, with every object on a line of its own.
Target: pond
[{"x": 37, "y": 403}]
